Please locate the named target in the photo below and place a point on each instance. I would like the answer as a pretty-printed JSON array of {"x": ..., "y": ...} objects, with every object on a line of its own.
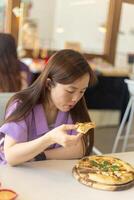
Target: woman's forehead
[{"x": 80, "y": 82}]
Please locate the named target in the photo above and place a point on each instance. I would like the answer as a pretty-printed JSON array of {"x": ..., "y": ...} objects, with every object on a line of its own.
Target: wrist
[
  {"x": 50, "y": 138},
  {"x": 40, "y": 157}
]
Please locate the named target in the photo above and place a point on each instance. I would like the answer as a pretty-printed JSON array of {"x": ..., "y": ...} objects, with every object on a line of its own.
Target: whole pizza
[{"x": 104, "y": 172}]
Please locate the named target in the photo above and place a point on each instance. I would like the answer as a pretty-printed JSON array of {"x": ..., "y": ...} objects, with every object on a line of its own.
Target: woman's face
[{"x": 65, "y": 97}]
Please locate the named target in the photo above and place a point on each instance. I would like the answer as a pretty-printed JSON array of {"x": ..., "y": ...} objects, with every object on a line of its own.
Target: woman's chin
[{"x": 65, "y": 109}]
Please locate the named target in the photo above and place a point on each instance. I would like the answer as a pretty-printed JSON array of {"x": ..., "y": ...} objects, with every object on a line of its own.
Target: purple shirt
[
  {"x": 25, "y": 68},
  {"x": 32, "y": 127}
]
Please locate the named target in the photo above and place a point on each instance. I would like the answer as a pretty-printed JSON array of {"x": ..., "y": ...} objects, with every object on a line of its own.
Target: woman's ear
[{"x": 48, "y": 83}]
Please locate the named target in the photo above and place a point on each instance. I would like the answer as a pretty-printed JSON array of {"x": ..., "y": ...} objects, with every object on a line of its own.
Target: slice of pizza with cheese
[{"x": 84, "y": 127}]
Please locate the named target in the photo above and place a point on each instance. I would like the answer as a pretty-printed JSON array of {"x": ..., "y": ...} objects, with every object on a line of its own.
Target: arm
[
  {"x": 24, "y": 80},
  {"x": 69, "y": 152},
  {"x": 17, "y": 153}
]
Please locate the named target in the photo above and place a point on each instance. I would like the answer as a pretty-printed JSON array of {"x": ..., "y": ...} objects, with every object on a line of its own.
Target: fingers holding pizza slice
[{"x": 84, "y": 127}]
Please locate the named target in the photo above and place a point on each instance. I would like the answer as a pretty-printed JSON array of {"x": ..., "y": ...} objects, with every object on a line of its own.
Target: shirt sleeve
[
  {"x": 25, "y": 68},
  {"x": 17, "y": 130}
]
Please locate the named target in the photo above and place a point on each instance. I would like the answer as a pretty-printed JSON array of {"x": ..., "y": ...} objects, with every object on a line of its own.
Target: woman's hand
[{"x": 59, "y": 135}]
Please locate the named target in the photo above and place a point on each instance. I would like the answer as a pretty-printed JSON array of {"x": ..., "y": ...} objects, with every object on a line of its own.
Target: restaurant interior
[{"x": 103, "y": 32}]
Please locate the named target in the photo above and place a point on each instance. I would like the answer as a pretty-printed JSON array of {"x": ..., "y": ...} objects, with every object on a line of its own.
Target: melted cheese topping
[
  {"x": 84, "y": 127},
  {"x": 105, "y": 169}
]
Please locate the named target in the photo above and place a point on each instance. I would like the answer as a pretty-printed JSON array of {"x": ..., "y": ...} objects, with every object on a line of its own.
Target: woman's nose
[{"x": 75, "y": 98}]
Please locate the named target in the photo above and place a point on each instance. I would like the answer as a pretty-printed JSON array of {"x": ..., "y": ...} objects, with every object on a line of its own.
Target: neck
[
  {"x": 50, "y": 110},
  {"x": 49, "y": 105}
]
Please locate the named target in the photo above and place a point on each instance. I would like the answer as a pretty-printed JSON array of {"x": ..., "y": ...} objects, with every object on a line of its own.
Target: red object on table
[{"x": 7, "y": 194}]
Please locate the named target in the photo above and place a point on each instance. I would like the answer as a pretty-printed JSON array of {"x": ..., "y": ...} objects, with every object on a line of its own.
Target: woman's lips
[
  {"x": 68, "y": 107},
  {"x": 71, "y": 106}
]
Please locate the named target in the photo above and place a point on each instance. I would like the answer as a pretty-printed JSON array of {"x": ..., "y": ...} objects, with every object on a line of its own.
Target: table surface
[{"x": 53, "y": 180}]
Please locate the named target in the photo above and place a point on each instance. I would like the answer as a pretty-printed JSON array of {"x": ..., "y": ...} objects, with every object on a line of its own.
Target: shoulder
[
  {"x": 23, "y": 66},
  {"x": 12, "y": 107}
]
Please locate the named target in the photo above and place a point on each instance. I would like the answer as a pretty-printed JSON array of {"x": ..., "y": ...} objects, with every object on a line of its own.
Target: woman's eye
[
  {"x": 69, "y": 91},
  {"x": 82, "y": 92}
]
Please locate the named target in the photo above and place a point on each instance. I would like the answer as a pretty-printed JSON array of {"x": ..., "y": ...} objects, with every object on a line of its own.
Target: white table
[{"x": 53, "y": 180}]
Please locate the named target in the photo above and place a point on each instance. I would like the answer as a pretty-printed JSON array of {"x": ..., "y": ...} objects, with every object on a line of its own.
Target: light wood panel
[
  {"x": 11, "y": 21},
  {"x": 129, "y": 1},
  {"x": 112, "y": 29}
]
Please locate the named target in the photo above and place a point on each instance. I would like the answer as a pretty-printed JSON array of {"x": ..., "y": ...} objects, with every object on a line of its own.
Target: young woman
[
  {"x": 14, "y": 75},
  {"x": 40, "y": 120}
]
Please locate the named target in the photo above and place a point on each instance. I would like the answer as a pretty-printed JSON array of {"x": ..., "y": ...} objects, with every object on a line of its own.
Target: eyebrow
[{"x": 73, "y": 87}]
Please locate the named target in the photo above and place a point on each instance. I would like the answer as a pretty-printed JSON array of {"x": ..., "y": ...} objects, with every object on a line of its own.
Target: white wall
[
  {"x": 2, "y": 15},
  {"x": 80, "y": 22},
  {"x": 126, "y": 40},
  {"x": 43, "y": 11}
]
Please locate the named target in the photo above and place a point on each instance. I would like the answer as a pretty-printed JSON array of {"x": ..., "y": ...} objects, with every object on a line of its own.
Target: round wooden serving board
[{"x": 97, "y": 185}]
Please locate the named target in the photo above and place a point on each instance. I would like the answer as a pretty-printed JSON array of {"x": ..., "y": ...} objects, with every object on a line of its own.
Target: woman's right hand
[{"x": 59, "y": 135}]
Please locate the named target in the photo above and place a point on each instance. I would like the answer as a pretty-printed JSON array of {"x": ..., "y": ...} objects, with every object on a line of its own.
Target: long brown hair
[
  {"x": 10, "y": 80},
  {"x": 63, "y": 67}
]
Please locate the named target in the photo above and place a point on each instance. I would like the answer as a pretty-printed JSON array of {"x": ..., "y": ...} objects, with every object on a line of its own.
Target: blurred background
[{"x": 102, "y": 30}]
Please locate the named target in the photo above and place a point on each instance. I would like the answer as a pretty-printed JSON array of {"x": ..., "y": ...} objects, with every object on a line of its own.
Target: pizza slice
[{"x": 84, "y": 127}]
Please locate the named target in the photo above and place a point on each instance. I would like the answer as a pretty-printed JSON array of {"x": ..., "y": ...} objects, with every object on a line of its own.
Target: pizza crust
[
  {"x": 117, "y": 176},
  {"x": 84, "y": 127}
]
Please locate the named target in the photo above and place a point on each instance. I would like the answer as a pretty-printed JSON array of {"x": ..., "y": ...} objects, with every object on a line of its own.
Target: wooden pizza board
[{"x": 97, "y": 185}]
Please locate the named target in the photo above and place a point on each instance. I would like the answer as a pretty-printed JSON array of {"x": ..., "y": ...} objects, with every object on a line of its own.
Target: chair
[
  {"x": 4, "y": 97},
  {"x": 128, "y": 115},
  {"x": 96, "y": 151}
]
